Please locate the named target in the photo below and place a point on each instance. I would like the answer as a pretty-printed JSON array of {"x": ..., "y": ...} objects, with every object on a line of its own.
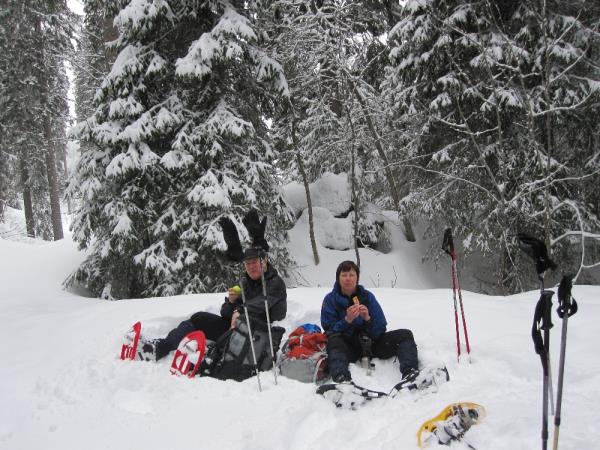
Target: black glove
[
  {"x": 537, "y": 250},
  {"x": 232, "y": 239},
  {"x": 256, "y": 229}
]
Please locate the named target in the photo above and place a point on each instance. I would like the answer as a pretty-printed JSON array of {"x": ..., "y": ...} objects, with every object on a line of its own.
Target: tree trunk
[
  {"x": 27, "y": 203},
  {"x": 355, "y": 202},
  {"x": 311, "y": 227},
  {"x": 353, "y": 184},
  {"x": 408, "y": 231},
  {"x": 504, "y": 273},
  {"x": 50, "y": 155},
  {"x": 65, "y": 175},
  {"x": 55, "y": 214}
]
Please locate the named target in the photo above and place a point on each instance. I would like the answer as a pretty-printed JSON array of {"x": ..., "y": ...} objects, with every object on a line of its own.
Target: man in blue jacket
[{"x": 356, "y": 326}]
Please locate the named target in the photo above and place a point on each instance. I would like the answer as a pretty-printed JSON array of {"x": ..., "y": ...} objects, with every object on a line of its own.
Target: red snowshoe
[
  {"x": 189, "y": 354},
  {"x": 131, "y": 341}
]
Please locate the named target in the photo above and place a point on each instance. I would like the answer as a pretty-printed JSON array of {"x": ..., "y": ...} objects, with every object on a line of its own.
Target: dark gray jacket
[{"x": 276, "y": 298}]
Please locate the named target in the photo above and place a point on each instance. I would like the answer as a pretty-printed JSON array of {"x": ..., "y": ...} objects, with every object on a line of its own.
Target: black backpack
[{"x": 230, "y": 357}]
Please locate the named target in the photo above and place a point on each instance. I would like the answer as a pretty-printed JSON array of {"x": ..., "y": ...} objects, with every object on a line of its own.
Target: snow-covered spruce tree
[
  {"x": 565, "y": 65},
  {"x": 312, "y": 54},
  {"x": 34, "y": 105},
  {"x": 476, "y": 84},
  {"x": 177, "y": 140},
  {"x": 94, "y": 56},
  {"x": 6, "y": 169},
  {"x": 91, "y": 63},
  {"x": 307, "y": 131}
]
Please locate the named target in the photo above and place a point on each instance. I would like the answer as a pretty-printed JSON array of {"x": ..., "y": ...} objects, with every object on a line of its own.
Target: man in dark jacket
[
  {"x": 356, "y": 326},
  {"x": 213, "y": 325}
]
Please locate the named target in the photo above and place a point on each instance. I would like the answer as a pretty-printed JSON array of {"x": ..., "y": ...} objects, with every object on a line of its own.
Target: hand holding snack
[{"x": 233, "y": 293}]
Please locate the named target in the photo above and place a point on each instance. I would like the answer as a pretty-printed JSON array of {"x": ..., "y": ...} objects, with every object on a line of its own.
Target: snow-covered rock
[{"x": 331, "y": 191}]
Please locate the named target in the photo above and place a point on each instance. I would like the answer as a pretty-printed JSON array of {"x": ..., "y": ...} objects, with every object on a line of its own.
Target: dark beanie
[
  {"x": 253, "y": 253},
  {"x": 346, "y": 266}
]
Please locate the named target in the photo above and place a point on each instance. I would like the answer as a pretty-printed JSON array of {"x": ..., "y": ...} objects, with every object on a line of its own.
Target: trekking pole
[
  {"x": 455, "y": 315},
  {"x": 448, "y": 247},
  {"x": 542, "y": 321},
  {"x": 264, "y": 289},
  {"x": 537, "y": 250},
  {"x": 462, "y": 310},
  {"x": 565, "y": 310},
  {"x": 249, "y": 331},
  {"x": 547, "y": 342}
]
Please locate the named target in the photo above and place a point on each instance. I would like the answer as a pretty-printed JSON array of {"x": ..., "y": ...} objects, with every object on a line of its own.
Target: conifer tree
[
  {"x": 490, "y": 94},
  {"x": 177, "y": 140},
  {"x": 94, "y": 56},
  {"x": 35, "y": 45},
  {"x": 331, "y": 52}
]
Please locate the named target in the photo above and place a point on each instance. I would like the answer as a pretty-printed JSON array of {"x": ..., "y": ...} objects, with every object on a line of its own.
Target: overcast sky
[{"x": 75, "y": 6}]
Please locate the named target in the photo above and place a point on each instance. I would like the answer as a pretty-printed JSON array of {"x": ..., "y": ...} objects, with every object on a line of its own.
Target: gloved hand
[
  {"x": 256, "y": 229},
  {"x": 232, "y": 239}
]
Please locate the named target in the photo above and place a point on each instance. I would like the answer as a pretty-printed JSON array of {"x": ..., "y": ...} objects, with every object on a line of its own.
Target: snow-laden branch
[
  {"x": 582, "y": 234},
  {"x": 562, "y": 108},
  {"x": 455, "y": 178}
]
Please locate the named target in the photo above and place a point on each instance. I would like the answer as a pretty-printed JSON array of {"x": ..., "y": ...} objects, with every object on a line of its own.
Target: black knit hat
[
  {"x": 346, "y": 266},
  {"x": 253, "y": 253}
]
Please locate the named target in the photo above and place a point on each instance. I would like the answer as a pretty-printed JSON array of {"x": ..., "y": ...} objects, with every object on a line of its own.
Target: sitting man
[
  {"x": 355, "y": 324},
  {"x": 213, "y": 325}
]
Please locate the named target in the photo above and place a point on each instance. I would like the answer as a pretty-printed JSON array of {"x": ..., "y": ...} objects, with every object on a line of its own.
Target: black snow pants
[
  {"x": 342, "y": 350},
  {"x": 212, "y": 325}
]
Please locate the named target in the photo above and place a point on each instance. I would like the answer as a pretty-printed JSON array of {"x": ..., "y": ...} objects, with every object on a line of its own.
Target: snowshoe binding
[
  {"x": 147, "y": 349},
  {"x": 348, "y": 395},
  {"x": 189, "y": 354},
  {"x": 427, "y": 379},
  {"x": 451, "y": 424}
]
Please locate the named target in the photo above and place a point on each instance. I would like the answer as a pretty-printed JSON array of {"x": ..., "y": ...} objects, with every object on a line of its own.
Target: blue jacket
[{"x": 333, "y": 313}]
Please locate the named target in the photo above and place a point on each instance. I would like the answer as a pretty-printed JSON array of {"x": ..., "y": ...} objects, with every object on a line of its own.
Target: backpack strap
[{"x": 319, "y": 366}]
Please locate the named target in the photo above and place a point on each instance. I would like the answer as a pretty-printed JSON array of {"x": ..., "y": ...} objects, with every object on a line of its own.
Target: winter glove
[
  {"x": 256, "y": 229},
  {"x": 232, "y": 239},
  {"x": 537, "y": 250}
]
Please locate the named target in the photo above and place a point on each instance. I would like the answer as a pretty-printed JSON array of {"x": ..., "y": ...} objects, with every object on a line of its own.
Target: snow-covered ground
[{"x": 62, "y": 386}]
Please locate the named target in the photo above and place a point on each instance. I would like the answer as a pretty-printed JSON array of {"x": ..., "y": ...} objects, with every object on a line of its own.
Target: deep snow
[{"x": 62, "y": 386}]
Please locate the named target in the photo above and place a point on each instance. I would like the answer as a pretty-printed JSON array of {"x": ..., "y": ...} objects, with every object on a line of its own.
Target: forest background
[{"x": 476, "y": 115}]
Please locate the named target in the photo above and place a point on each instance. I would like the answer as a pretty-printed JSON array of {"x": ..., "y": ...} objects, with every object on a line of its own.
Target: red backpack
[{"x": 304, "y": 355}]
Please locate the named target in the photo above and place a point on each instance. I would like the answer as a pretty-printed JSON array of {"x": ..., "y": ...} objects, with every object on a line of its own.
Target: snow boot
[
  {"x": 146, "y": 350},
  {"x": 426, "y": 379}
]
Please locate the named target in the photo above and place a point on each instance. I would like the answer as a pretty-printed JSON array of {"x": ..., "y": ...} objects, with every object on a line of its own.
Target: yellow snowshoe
[{"x": 451, "y": 424}]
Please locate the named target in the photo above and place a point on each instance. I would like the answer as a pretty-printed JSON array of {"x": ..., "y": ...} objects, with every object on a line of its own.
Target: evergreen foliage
[
  {"x": 480, "y": 115},
  {"x": 333, "y": 55},
  {"x": 177, "y": 140},
  {"x": 34, "y": 38},
  {"x": 495, "y": 99},
  {"x": 94, "y": 56}
]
